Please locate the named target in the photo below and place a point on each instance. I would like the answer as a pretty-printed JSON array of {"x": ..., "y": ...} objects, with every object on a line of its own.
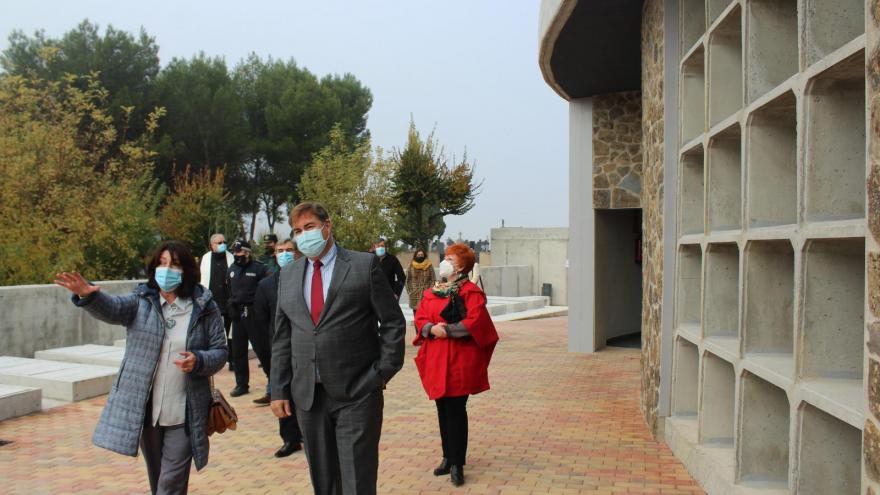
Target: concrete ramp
[
  {"x": 100, "y": 355},
  {"x": 58, "y": 380},
  {"x": 17, "y": 401}
]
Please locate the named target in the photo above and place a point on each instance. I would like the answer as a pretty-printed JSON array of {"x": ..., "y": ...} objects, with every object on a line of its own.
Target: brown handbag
[{"x": 222, "y": 416}]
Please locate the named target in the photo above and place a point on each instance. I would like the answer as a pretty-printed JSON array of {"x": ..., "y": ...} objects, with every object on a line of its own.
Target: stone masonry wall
[
  {"x": 617, "y": 150},
  {"x": 652, "y": 204},
  {"x": 871, "y": 434}
]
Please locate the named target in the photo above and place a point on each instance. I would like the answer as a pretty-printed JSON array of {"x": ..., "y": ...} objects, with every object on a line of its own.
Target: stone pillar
[
  {"x": 652, "y": 205},
  {"x": 871, "y": 433}
]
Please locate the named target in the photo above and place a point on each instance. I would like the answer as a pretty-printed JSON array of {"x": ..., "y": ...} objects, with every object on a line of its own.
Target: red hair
[{"x": 465, "y": 254}]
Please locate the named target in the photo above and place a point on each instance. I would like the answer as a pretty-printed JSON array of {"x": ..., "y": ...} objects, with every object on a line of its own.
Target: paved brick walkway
[{"x": 553, "y": 423}]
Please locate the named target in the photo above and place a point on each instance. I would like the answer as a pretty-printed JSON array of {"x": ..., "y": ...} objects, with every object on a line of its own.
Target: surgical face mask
[
  {"x": 311, "y": 243},
  {"x": 168, "y": 279},
  {"x": 284, "y": 258},
  {"x": 221, "y": 248},
  {"x": 380, "y": 251},
  {"x": 446, "y": 269}
]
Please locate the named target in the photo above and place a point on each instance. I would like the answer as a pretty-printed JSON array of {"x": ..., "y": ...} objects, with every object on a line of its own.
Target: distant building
[{"x": 718, "y": 165}]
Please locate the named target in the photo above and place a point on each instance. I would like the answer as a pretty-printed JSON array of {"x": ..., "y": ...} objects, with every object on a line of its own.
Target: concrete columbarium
[
  {"x": 761, "y": 248},
  {"x": 767, "y": 377}
]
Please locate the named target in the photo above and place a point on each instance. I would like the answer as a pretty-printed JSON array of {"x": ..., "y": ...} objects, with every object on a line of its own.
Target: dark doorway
[{"x": 618, "y": 294}]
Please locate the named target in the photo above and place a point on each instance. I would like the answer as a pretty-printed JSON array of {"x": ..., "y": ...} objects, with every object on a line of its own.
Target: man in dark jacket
[
  {"x": 390, "y": 266},
  {"x": 265, "y": 302},
  {"x": 242, "y": 279}
]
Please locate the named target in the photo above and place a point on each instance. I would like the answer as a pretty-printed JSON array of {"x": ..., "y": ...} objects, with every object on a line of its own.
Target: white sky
[{"x": 467, "y": 66}]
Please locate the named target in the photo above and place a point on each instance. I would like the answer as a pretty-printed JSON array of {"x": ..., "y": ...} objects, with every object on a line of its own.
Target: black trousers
[
  {"x": 342, "y": 443},
  {"x": 227, "y": 324},
  {"x": 244, "y": 330},
  {"x": 452, "y": 416},
  {"x": 289, "y": 429}
]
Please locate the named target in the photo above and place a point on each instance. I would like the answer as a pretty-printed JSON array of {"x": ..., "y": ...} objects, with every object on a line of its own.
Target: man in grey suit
[{"x": 338, "y": 340}]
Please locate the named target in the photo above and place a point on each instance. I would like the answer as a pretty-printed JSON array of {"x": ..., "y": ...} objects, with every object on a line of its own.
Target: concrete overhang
[{"x": 590, "y": 47}]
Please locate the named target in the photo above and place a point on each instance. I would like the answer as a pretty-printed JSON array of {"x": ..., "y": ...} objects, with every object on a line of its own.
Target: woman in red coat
[{"x": 456, "y": 341}]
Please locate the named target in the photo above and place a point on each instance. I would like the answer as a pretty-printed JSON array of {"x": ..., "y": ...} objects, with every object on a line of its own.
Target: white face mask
[{"x": 446, "y": 269}]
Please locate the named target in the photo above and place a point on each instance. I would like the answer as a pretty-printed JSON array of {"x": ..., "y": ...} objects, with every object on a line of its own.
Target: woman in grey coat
[{"x": 175, "y": 341}]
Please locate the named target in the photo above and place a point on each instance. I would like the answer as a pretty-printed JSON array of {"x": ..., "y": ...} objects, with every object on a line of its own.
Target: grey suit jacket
[{"x": 357, "y": 344}]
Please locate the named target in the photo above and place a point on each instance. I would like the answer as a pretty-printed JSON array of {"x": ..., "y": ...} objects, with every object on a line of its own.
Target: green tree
[
  {"x": 204, "y": 127},
  {"x": 353, "y": 184},
  {"x": 72, "y": 197},
  {"x": 198, "y": 207},
  {"x": 125, "y": 66},
  {"x": 289, "y": 114},
  {"x": 426, "y": 188}
]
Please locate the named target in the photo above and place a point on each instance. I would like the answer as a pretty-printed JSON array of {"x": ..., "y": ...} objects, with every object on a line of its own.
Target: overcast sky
[{"x": 468, "y": 67}]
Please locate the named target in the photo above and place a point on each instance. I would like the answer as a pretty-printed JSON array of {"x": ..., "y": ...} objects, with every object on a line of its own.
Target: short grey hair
[{"x": 214, "y": 236}]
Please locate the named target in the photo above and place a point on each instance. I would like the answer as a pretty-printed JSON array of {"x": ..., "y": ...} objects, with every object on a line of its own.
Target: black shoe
[
  {"x": 456, "y": 475},
  {"x": 263, "y": 401},
  {"x": 237, "y": 391},
  {"x": 288, "y": 448},
  {"x": 443, "y": 468}
]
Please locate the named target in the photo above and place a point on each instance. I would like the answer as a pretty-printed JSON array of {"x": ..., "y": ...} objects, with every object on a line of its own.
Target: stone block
[
  {"x": 874, "y": 182},
  {"x": 871, "y": 450},
  {"x": 621, "y": 198},
  {"x": 101, "y": 355},
  {"x": 874, "y": 338},
  {"x": 874, "y": 283},
  {"x": 62, "y": 381},
  {"x": 874, "y": 387},
  {"x": 601, "y": 198},
  {"x": 17, "y": 401}
]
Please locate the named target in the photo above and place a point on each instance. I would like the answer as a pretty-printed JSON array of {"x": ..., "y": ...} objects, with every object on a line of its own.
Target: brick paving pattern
[{"x": 553, "y": 423}]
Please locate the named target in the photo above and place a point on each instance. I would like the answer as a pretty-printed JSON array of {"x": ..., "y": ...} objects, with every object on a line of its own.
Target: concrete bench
[
  {"x": 16, "y": 400},
  {"x": 101, "y": 355},
  {"x": 58, "y": 380}
]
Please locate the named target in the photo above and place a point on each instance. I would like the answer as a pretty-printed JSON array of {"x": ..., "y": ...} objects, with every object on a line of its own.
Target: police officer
[
  {"x": 242, "y": 278},
  {"x": 265, "y": 303},
  {"x": 268, "y": 256}
]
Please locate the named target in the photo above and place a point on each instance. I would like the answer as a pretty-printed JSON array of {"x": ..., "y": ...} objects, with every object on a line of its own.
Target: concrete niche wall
[
  {"x": 770, "y": 279},
  {"x": 764, "y": 423}
]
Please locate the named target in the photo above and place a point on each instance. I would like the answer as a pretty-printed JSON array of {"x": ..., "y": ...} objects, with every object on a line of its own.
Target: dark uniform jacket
[
  {"x": 265, "y": 302},
  {"x": 243, "y": 281}
]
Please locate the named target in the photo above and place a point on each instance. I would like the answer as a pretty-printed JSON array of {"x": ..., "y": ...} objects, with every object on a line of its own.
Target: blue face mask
[
  {"x": 284, "y": 258},
  {"x": 221, "y": 248},
  {"x": 168, "y": 279},
  {"x": 311, "y": 243},
  {"x": 380, "y": 251}
]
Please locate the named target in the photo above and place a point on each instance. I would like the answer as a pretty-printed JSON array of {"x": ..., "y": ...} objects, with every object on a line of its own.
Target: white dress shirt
[
  {"x": 169, "y": 384},
  {"x": 329, "y": 261}
]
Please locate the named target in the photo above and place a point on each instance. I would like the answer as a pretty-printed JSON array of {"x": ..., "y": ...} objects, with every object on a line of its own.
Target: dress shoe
[
  {"x": 443, "y": 468},
  {"x": 237, "y": 391},
  {"x": 288, "y": 448},
  {"x": 263, "y": 401},
  {"x": 456, "y": 475}
]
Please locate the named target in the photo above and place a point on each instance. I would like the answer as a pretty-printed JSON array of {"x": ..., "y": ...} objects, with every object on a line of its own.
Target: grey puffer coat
[{"x": 121, "y": 423}]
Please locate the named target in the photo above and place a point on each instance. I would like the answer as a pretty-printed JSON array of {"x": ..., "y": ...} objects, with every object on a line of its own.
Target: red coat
[{"x": 456, "y": 367}]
